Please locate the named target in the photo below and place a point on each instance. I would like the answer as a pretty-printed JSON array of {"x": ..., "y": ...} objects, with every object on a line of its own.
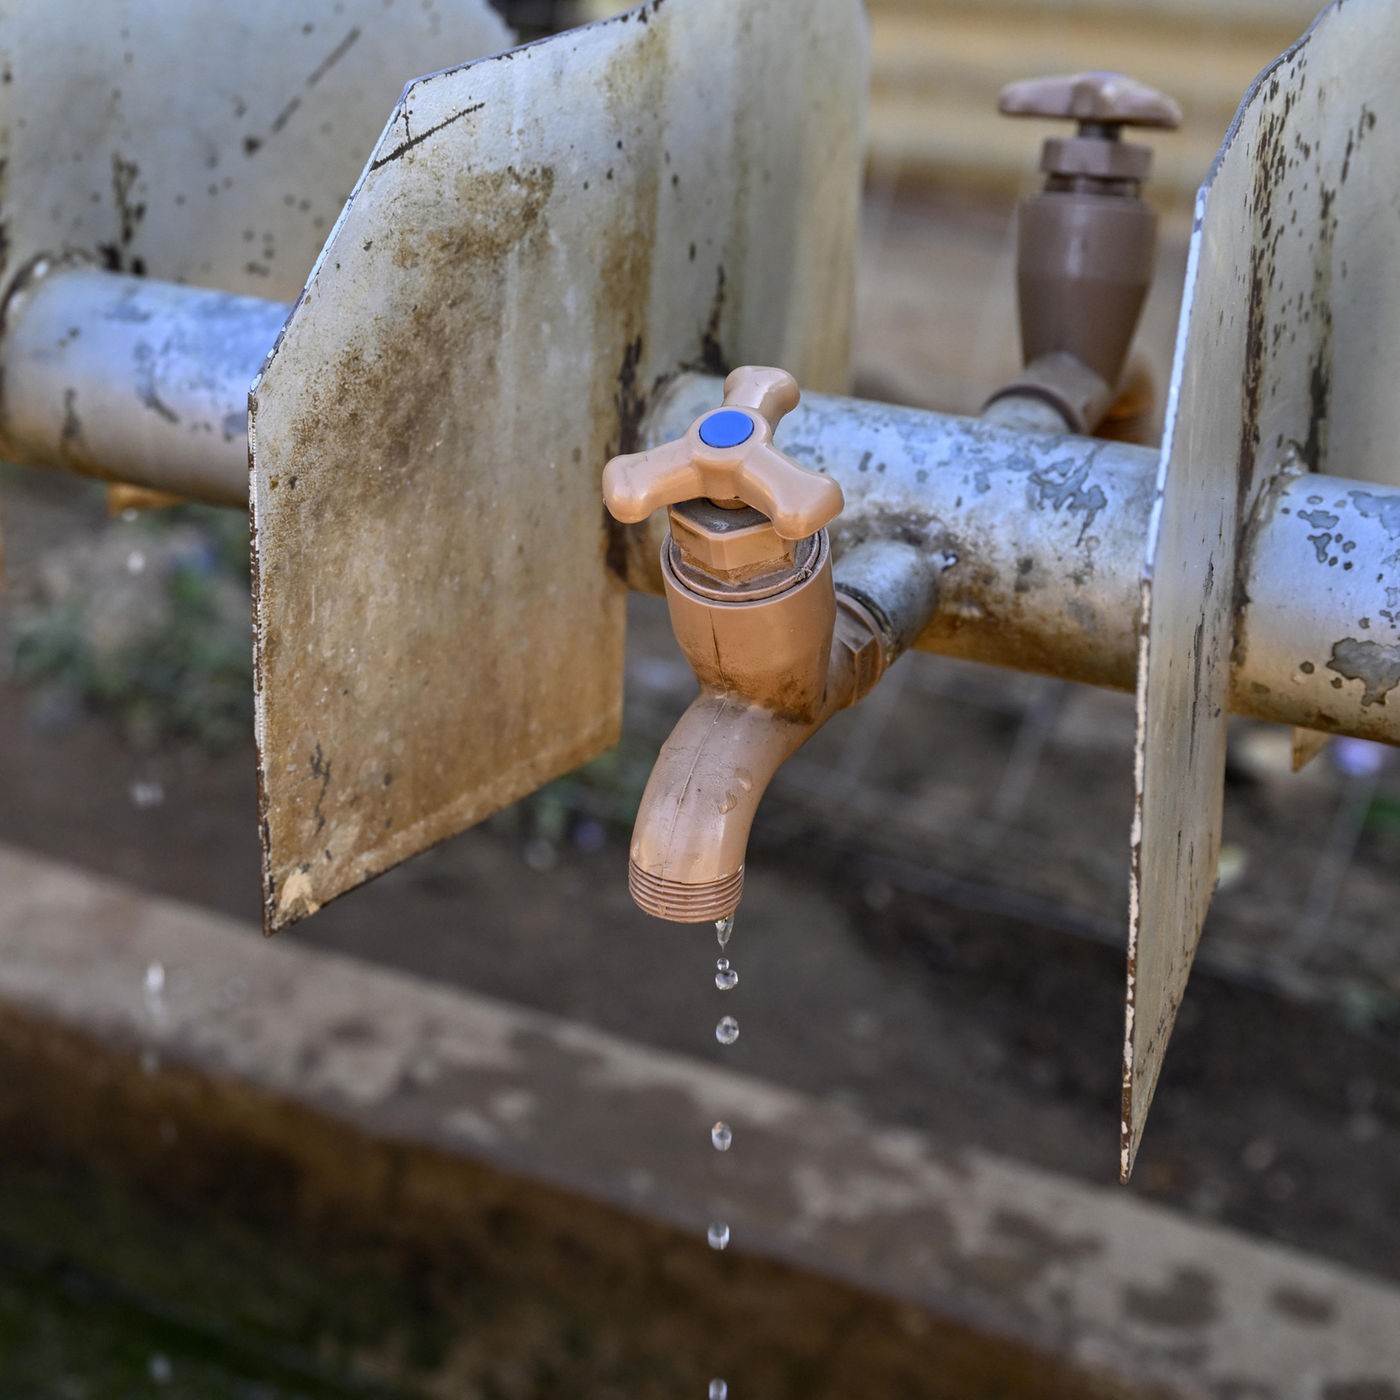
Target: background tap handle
[
  {"x": 1100, "y": 99},
  {"x": 728, "y": 455}
]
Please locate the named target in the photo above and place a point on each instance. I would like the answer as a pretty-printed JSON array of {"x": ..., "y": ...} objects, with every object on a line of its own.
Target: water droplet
[
  {"x": 719, "y": 1390},
  {"x": 721, "y": 1135},
  {"x": 727, "y": 1032},
  {"x": 718, "y": 1235},
  {"x": 744, "y": 778},
  {"x": 144, "y": 794},
  {"x": 728, "y": 803},
  {"x": 160, "y": 1369},
  {"x": 723, "y": 928},
  {"x": 153, "y": 989},
  {"x": 135, "y": 562},
  {"x": 725, "y": 976}
]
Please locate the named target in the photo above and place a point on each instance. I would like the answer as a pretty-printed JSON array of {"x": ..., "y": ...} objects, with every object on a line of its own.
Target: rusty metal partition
[
  {"x": 1288, "y": 341},
  {"x": 535, "y": 242},
  {"x": 203, "y": 142},
  {"x": 200, "y": 143}
]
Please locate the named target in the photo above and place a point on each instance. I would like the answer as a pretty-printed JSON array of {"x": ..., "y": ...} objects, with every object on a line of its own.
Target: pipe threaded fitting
[{"x": 684, "y": 904}]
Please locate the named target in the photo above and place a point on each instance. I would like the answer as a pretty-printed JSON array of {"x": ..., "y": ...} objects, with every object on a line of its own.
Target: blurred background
[{"x": 934, "y": 925}]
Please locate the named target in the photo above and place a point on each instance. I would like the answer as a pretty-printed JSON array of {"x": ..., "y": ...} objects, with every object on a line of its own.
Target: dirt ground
[{"x": 934, "y": 919}]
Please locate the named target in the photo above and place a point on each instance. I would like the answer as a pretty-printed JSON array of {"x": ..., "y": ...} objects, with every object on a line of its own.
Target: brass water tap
[
  {"x": 1086, "y": 243},
  {"x": 748, "y": 579}
]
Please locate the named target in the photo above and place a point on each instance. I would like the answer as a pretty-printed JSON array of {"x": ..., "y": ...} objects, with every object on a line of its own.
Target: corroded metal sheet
[
  {"x": 1286, "y": 357},
  {"x": 537, "y": 240},
  {"x": 204, "y": 142}
]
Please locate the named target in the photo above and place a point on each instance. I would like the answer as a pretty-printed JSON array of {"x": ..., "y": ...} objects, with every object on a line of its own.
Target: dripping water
[{"x": 721, "y": 1135}]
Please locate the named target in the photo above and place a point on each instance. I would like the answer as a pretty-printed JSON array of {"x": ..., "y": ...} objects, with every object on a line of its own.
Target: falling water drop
[
  {"x": 727, "y": 1032},
  {"x": 719, "y": 1390},
  {"x": 725, "y": 976},
  {"x": 721, "y": 1135},
  {"x": 723, "y": 928},
  {"x": 718, "y": 1235},
  {"x": 145, "y": 795},
  {"x": 153, "y": 988}
]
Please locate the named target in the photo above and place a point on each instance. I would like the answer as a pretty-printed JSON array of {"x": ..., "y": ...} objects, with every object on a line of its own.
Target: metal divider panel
[
  {"x": 203, "y": 141},
  {"x": 537, "y": 240},
  {"x": 1290, "y": 307}
]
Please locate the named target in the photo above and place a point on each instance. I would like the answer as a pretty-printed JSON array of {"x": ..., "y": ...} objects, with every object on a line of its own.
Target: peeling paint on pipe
[
  {"x": 1325, "y": 553},
  {"x": 133, "y": 380}
]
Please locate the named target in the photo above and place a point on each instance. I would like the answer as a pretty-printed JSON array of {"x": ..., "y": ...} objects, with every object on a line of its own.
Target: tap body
[{"x": 773, "y": 669}]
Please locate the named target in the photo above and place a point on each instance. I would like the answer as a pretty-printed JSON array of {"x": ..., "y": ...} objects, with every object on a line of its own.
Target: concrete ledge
[{"x": 469, "y": 1197}]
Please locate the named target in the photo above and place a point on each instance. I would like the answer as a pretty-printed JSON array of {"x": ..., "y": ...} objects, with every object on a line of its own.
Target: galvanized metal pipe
[
  {"x": 1039, "y": 541},
  {"x": 132, "y": 380}
]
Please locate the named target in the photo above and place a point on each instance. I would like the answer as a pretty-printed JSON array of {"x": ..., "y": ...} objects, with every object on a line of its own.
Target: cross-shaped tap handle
[
  {"x": 728, "y": 455},
  {"x": 1098, "y": 99}
]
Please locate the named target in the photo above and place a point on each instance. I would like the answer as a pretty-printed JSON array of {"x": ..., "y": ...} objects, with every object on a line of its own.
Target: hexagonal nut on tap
[{"x": 861, "y": 634}]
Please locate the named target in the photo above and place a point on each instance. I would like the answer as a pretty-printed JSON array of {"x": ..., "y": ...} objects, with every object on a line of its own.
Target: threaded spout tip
[{"x": 684, "y": 904}]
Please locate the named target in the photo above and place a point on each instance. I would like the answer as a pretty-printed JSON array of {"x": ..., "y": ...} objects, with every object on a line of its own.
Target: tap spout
[{"x": 692, "y": 832}]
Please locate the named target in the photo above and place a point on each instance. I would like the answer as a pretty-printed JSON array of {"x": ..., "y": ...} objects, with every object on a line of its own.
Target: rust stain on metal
[{"x": 438, "y": 629}]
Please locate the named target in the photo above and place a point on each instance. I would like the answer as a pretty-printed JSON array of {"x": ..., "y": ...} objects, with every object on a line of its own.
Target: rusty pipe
[
  {"x": 1038, "y": 542},
  {"x": 133, "y": 380},
  {"x": 1038, "y": 538}
]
